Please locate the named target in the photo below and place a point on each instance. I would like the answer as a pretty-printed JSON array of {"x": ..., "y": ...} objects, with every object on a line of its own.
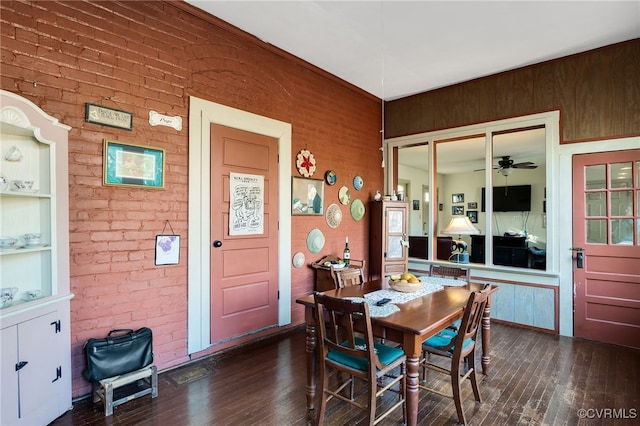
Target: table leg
[
  {"x": 310, "y": 348},
  {"x": 486, "y": 338},
  {"x": 412, "y": 349}
]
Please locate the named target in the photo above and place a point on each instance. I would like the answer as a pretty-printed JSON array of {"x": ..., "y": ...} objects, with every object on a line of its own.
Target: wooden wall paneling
[
  {"x": 597, "y": 93},
  {"x": 480, "y": 98},
  {"x": 564, "y": 75},
  {"x": 515, "y": 92},
  {"x": 632, "y": 92},
  {"x": 543, "y": 90}
]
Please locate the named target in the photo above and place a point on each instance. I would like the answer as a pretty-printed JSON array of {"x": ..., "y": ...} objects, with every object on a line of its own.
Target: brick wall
[{"x": 142, "y": 56}]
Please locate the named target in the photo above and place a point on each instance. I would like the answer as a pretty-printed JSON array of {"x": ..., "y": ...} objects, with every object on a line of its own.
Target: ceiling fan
[{"x": 506, "y": 165}]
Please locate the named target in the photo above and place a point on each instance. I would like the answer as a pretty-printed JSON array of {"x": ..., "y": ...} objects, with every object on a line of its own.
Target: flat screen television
[{"x": 512, "y": 198}]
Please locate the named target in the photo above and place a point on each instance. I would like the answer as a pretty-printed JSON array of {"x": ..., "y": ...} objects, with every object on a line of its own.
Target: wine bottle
[{"x": 346, "y": 254}]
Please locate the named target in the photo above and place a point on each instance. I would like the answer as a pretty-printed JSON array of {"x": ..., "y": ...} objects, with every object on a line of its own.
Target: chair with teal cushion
[
  {"x": 346, "y": 342},
  {"x": 459, "y": 346}
]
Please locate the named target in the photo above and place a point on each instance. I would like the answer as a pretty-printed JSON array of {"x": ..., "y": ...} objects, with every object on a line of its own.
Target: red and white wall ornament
[{"x": 305, "y": 163}]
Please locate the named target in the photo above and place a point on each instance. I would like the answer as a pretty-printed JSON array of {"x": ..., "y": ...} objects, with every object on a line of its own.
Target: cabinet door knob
[
  {"x": 217, "y": 243},
  {"x": 21, "y": 364}
]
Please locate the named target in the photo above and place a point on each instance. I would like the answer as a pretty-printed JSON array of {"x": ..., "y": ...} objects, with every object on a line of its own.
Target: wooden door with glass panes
[
  {"x": 606, "y": 244},
  {"x": 388, "y": 238}
]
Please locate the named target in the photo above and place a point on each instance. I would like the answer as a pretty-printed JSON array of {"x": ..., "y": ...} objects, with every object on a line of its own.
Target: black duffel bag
[{"x": 115, "y": 355}]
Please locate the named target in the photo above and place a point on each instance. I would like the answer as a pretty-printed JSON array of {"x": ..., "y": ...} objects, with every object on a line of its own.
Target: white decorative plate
[
  {"x": 333, "y": 215},
  {"x": 298, "y": 259},
  {"x": 343, "y": 195}
]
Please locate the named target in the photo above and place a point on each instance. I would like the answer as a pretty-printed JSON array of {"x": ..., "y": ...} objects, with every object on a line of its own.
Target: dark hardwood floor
[{"x": 536, "y": 379}]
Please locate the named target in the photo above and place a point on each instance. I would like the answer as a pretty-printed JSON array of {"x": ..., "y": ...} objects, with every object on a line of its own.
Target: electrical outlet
[{"x": 515, "y": 218}]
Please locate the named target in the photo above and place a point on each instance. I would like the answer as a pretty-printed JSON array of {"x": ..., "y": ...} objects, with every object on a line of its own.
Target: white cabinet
[
  {"x": 35, "y": 333},
  {"x": 35, "y": 387}
]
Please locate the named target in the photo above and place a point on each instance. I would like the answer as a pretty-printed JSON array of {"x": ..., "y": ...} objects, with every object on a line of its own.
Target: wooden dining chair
[
  {"x": 349, "y": 275},
  {"x": 342, "y": 350},
  {"x": 459, "y": 347},
  {"x": 455, "y": 273},
  {"x": 450, "y": 272}
]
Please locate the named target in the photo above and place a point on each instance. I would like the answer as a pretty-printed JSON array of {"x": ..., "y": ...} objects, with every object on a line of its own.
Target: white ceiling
[{"x": 393, "y": 49}]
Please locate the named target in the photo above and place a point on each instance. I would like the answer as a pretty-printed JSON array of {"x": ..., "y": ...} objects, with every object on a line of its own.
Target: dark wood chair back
[
  {"x": 347, "y": 345},
  {"x": 450, "y": 272}
]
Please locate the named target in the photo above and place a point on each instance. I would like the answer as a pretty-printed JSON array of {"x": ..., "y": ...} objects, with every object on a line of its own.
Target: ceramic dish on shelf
[{"x": 4, "y": 182}]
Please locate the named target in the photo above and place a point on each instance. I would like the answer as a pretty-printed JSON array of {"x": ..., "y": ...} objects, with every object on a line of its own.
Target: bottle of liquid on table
[{"x": 346, "y": 254}]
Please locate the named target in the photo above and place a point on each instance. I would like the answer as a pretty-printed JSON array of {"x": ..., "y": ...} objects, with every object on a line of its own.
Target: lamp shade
[{"x": 460, "y": 225}]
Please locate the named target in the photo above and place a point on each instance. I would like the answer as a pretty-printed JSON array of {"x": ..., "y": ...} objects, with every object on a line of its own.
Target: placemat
[
  {"x": 399, "y": 297},
  {"x": 449, "y": 282},
  {"x": 375, "y": 310}
]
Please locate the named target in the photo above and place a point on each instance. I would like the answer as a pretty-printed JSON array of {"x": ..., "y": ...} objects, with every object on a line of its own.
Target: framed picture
[
  {"x": 133, "y": 165},
  {"x": 105, "y": 116},
  {"x": 457, "y": 210},
  {"x": 473, "y": 216},
  {"x": 457, "y": 198},
  {"x": 416, "y": 204},
  {"x": 167, "y": 250},
  {"x": 307, "y": 196},
  {"x": 472, "y": 205}
]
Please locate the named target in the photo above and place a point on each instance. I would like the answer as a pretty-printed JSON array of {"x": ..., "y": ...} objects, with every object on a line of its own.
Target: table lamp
[{"x": 460, "y": 225}]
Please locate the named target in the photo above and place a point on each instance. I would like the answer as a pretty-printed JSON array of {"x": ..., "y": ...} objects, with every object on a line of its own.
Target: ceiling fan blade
[
  {"x": 524, "y": 163},
  {"x": 528, "y": 165}
]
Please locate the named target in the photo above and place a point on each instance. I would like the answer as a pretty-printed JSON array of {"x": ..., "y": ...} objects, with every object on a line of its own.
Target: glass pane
[
  {"x": 596, "y": 231},
  {"x": 638, "y": 173},
  {"x": 621, "y": 175},
  {"x": 596, "y": 204},
  {"x": 622, "y": 203},
  {"x": 395, "y": 221},
  {"x": 595, "y": 177},
  {"x": 638, "y": 231},
  {"x": 394, "y": 248},
  {"x": 622, "y": 231}
]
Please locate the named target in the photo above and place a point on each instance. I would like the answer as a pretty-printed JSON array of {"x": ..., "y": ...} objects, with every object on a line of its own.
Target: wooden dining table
[{"x": 416, "y": 321}]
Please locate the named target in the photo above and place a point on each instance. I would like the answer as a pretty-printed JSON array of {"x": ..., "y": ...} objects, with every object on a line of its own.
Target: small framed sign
[{"x": 108, "y": 116}]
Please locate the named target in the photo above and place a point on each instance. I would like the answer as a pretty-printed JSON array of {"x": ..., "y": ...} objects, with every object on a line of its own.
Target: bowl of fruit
[{"x": 406, "y": 283}]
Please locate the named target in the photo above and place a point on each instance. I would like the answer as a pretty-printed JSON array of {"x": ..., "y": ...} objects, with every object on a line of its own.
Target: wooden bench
[{"x": 103, "y": 389}]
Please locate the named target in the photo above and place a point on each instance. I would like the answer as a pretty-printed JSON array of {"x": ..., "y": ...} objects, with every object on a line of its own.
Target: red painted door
[
  {"x": 606, "y": 221},
  {"x": 244, "y": 268}
]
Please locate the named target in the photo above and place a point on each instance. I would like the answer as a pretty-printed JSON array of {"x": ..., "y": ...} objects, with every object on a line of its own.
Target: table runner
[{"x": 399, "y": 297}]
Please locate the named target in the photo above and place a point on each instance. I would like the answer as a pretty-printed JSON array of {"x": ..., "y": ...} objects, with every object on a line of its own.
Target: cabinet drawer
[{"x": 390, "y": 268}]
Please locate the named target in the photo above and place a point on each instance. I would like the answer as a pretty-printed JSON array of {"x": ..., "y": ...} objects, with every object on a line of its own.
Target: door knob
[{"x": 217, "y": 243}]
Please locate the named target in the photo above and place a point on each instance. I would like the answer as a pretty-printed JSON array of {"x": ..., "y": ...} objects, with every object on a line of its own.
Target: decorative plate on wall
[
  {"x": 343, "y": 195},
  {"x": 298, "y": 259},
  {"x": 357, "y": 183},
  {"x": 315, "y": 240},
  {"x": 333, "y": 215},
  {"x": 330, "y": 177},
  {"x": 357, "y": 209},
  {"x": 306, "y": 163}
]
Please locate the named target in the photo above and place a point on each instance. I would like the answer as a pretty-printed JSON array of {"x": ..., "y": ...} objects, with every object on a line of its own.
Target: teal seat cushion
[
  {"x": 386, "y": 355},
  {"x": 444, "y": 339},
  {"x": 456, "y": 324}
]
